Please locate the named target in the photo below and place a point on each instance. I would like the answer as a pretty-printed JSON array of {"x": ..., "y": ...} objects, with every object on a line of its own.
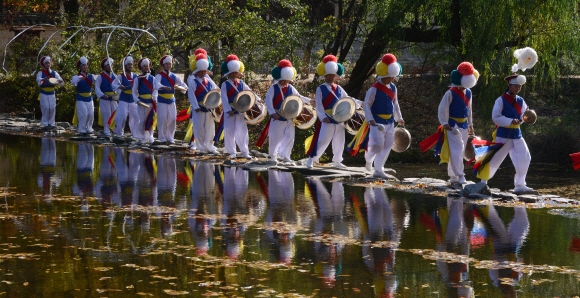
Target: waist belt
[
  {"x": 512, "y": 126},
  {"x": 146, "y": 96},
  {"x": 459, "y": 120},
  {"x": 85, "y": 94},
  {"x": 385, "y": 116},
  {"x": 47, "y": 89},
  {"x": 128, "y": 91},
  {"x": 167, "y": 95},
  {"x": 109, "y": 93}
]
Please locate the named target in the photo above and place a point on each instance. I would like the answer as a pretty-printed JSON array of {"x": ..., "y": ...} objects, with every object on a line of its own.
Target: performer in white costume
[
  {"x": 47, "y": 95},
  {"x": 144, "y": 92},
  {"x": 85, "y": 109},
  {"x": 105, "y": 92},
  {"x": 127, "y": 106},
  {"x": 165, "y": 82}
]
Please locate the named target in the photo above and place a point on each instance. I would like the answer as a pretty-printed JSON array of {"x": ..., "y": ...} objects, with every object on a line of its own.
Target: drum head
[
  {"x": 530, "y": 116},
  {"x": 217, "y": 113},
  {"x": 53, "y": 81},
  {"x": 256, "y": 114},
  {"x": 212, "y": 99},
  {"x": 244, "y": 101},
  {"x": 402, "y": 140},
  {"x": 291, "y": 107},
  {"x": 469, "y": 153},
  {"x": 179, "y": 88},
  {"x": 307, "y": 117},
  {"x": 353, "y": 124},
  {"x": 343, "y": 109}
]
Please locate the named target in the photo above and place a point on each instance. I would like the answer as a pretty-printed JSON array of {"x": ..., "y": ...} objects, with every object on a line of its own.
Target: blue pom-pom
[
  {"x": 224, "y": 68},
  {"x": 455, "y": 77},
  {"x": 210, "y": 64},
  {"x": 340, "y": 71},
  {"x": 276, "y": 73},
  {"x": 400, "y": 69}
]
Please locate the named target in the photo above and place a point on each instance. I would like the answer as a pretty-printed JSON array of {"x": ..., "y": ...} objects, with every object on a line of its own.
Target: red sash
[
  {"x": 129, "y": 78},
  {"x": 46, "y": 73},
  {"x": 147, "y": 84},
  {"x": 166, "y": 76},
  {"x": 385, "y": 90},
  {"x": 461, "y": 95},
  {"x": 86, "y": 79},
  {"x": 512, "y": 100},
  {"x": 278, "y": 99},
  {"x": 106, "y": 77},
  {"x": 199, "y": 89},
  {"x": 326, "y": 102},
  {"x": 231, "y": 90}
]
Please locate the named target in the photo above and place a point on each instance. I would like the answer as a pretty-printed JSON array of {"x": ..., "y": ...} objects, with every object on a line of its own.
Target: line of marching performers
[{"x": 149, "y": 101}]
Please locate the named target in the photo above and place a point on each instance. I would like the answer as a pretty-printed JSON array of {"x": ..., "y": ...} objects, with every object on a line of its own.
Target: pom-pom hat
[
  {"x": 143, "y": 61},
  {"x": 45, "y": 59},
  {"x": 200, "y": 61},
  {"x": 166, "y": 59},
  {"x": 284, "y": 71},
  {"x": 105, "y": 62},
  {"x": 329, "y": 65},
  {"x": 527, "y": 58},
  {"x": 388, "y": 67},
  {"x": 231, "y": 65},
  {"x": 82, "y": 61},
  {"x": 464, "y": 76}
]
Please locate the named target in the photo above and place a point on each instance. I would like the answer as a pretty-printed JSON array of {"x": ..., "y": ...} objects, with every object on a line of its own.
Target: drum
[
  {"x": 343, "y": 109},
  {"x": 530, "y": 116},
  {"x": 256, "y": 114},
  {"x": 307, "y": 117},
  {"x": 402, "y": 139},
  {"x": 244, "y": 101},
  {"x": 353, "y": 124},
  {"x": 469, "y": 153},
  {"x": 212, "y": 99},
  {"x": 53, "y": 81},
  {"x": 291, "y": 107},
  {"x": 217, "y": 113},
  {"x": 180, "y": 89}
]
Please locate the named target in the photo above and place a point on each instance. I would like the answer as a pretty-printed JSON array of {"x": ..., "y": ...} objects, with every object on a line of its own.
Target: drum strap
[
  {"x": 105, "y": 76},
  {"x": 47, "y": 74},
  {"x": 385, "y": 90},
  {"x": 168, "y": 78},
  {"x": 512, "y": 100},
  {"x": 461, "y": 95}
]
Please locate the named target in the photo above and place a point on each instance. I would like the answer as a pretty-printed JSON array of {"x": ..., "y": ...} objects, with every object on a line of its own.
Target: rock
[
  {"x": 159, "y": 147},
  {"x": 477, "y": 188},
  {"x": 118, "y": 140},
  {"x": 64, "y": 125},
  {"x": 504, "y": 195},
  {"x": 529, "y": 192},
  {"x": 389, "y": 171},
  {"x": 409, "y": 180},
  {"x": 428, "y": 181},
  {"x": 478, "y": 196},
  {"x": 530, "y": 198},
  {"x": 257, "y": 153}
]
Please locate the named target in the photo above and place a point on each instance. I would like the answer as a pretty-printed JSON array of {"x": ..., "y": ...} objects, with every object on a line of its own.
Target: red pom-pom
[
  {"x": 389, "y": 59},
  {"x": 329, "y": 58},
  {"x": 284, "y": 63},
  {"x": 231, "y": 57},
  {"x": 465, "y": 68},
  {"x": 200, "y": 51},
  {"x": 200, "y": 56}
]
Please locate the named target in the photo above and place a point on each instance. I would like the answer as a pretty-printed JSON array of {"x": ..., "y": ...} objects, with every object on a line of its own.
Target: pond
[{"x": 83, "y": 220}]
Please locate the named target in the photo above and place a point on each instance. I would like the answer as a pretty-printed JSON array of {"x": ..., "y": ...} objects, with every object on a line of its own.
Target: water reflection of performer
[
  {"x": 146, "y": 187},
  {"x": 106, "y": 187},
  {"x": 507, "y": 244},
  {"x": 235, "y": 188},
  {"x": 127, "y": 171},
  {"x": 166, "y": 185},
  {"x": 281, "y": 210},
  {"x": 385, "y": 222},
  {"x": 47, "y": 166},
  {"x": 456, "y": 274},
  {"x": 329, "y": 208},
  {"x": 203, "y": 207}
]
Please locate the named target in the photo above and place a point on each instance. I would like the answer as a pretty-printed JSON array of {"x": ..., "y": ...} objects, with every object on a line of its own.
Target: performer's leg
[
  {"x": 162, "y": 114},
  {"x": 456, "y": 149},
  {"x": 275, "y": 136},
  {"x": 338, "y": 143},
  {"x": 324, "y": 138},
  {"x": 121, "y": 118},
  {"x": 500, "y": 155},
  {"x": 209, "y": 132},
  {"x": 230, "y": 134},
  {"x": 388, "y": 138},
  {"x": 171, "y": 122},
  {"x": 521, "y": 158},
  {"x": 375, "y": 143},
  {"x": 242, "y": 136},
  {"x": 135, "y": 123},
  {"x": 107, "y": 109},
  {"x": 90, "y": 116},
  {"x": 287, "y": 143},
  {"x": 199, "y": 130},
  {"x": 82, "y": 116}
]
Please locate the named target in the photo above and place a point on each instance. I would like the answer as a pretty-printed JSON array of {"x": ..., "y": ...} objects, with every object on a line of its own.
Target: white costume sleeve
[
  {"x": 225, "y": 103},
  {"x": 117, "y": 83},
  {"x": 369, "y": 101},
  {"x": 396, "y": 109},
  {"x": 270, "y": 100},
  {"x": 39, "y": 78},
  {"x": 443, "y": 111},
  {"x": 496, "y": 115},
  {"x": 135, "y": 90},
  {"x": 98, "y": 82},
  {"x": 524, "y": 108},
  {"x": 157, "y": 82},
  {"x": 75, "y": 80},
  {"x": 179, "y": 82},
  {"x": 319, "y": 107},
  {"x": 191, "y": 92},
  {"x": 60, "y": 80},
  {"x": 305, "y": 99},
  {"x": 470, "y": 111}
]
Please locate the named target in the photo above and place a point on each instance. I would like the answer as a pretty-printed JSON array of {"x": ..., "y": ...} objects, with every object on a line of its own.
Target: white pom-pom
[
  {"x": 202, "y": 64},
  {"x": 394, "y": 70},
  {"x": 331, "y": 67},
  {"x": 234, "y": 66},
  {"x": 468, "y": 81},
  {"x": 520, "y": 80},
  {"x": 286, "y": 73},
  {"x": 527, "y": 58},
  {"x": 515, "y": 68}
]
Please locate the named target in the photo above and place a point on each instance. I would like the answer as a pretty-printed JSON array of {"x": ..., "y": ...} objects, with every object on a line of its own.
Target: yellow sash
[
  {"x": 110, "y": 93},
  {"x": 512, "y": 126},
  {"x": 385, "y": 116},
  {"x": 459, "y": 120},
  {"x": 146, "y": 96},
  {"x": 328, "y": 111},
  {"x": 129, "y": 91},
  {"x": 167, "y": 95},
  {"x": 85, "y": 94},
  {"x": 47, "y": 89}
]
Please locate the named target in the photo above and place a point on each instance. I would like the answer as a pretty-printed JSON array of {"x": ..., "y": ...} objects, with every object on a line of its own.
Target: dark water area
[{"x": 78, "y": 220}]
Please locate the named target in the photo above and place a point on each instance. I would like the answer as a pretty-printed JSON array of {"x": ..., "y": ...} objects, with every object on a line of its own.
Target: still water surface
[{"x": 81, "y": 220}]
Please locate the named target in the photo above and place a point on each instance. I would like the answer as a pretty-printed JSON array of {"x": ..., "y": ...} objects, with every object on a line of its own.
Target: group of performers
[{"x": 149, "y": 100}]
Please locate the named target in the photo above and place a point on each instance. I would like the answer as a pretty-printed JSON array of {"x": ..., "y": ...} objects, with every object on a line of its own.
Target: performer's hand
[
  {"x": 326, "y": 120},
  {"x": 165, "y": 88},
  {"x": 373, "y": 123},
  {"x": 312, "y": 102},
  {"x": 447, "y": 127},
  {"x": 516, "y": 121},
  {"x": 198, "y": 110},
  {"x": 231, "y": 113},
  {"x": 276, "y": 116},
  {"x": 402, "y": 122},
  {"x": 470, "y": 130},
  {"x": 105, "y": 96}
]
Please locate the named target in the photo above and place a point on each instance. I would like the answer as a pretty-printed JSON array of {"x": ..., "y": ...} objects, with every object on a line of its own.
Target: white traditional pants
[
  {"x": 107, "y": 107},
  {"x": 123, "y": 110},
  {"x": 140, "y": 132},
  {"x": 331, "y": 132},
  {"x": 86, "y": 116},
  {"x": 519, "y": 154},
  {"x": 379, "y": 146},
  {"x": 281, "y": 135},
  {"x": 456, "y": 152},
  {"x": 236, "y": 132},
  {"x": 166, "y": 120},
  {"x": 203, "y": 130},
  {"x": 48, "y": 109}
]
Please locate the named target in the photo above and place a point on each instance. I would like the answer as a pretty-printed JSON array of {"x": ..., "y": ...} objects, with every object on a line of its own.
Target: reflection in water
[
  {"x": 46, "y": 178},
  {"x": 233, "y": 223},
  {"x": 507, "y": 244},
  {"x": 281, "y": 219},
  {"x": 203, "y": 207}
]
